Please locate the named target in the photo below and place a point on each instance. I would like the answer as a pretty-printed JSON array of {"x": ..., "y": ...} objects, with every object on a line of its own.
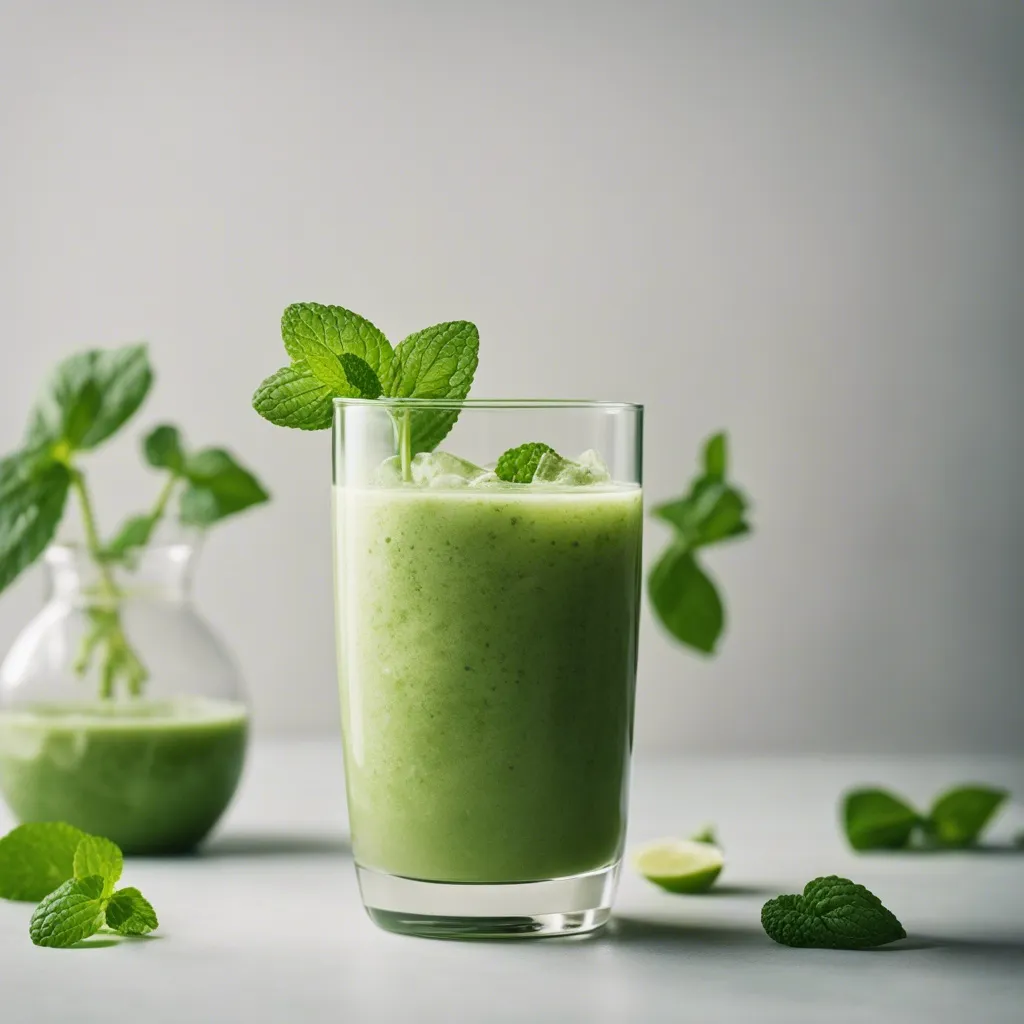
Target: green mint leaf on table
[
  {"x": 130, "y": 913},
  {"x": 218, "y": 486},
  {"x": 33, "y": 490},
  {"x": 89, "y": 396},
  {"x": 832, "y": 913},
  {"x": 518, "y": 465},
  {"x": 294, "y": 397},
  {"x": 70, "y": 913},
  {"x": 436, "y": 363},
  {"x": 164, "y": 449},
  {"x": 98, "y": 856},
  {"x": 877, "y": 820},
  {"x": 686, "y": 600},
  {"x": 360, "y": 376},
  {"x": 340, "y": 331},
  {"x": 958, "y": 817},
  {"x": 37, "y": 857},
  {"x": 683, "y": 595}
]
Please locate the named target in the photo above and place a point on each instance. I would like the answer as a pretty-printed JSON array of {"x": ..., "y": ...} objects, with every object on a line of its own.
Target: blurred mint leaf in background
[
  {"x": 33, "y": 490},
  {"x": 163, "y": 448},
  {"x": 959, "y": 816},
  {"x": 877, "y": 820},
  {"x": 89, "y": 396},
  {"x": 684, "y": 597},
  {"x": 218, "y": 487}
]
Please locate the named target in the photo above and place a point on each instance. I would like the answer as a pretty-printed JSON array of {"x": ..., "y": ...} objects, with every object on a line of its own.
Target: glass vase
[
  {"x": 487, "y": 641},
  {"x": 121, "y": 712}
]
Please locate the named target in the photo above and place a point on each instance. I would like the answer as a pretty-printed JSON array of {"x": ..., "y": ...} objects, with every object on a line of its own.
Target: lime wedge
[{"x": 679, "y": 865}]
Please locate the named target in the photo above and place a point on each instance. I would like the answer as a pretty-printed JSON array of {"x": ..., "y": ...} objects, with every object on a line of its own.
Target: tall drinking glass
[{"x": 487, "y": 641}]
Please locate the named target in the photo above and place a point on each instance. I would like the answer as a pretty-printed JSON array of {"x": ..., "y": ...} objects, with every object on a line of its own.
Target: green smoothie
[
  {"x": 487, "y": 651},
  {"x": 152, "y": 776}
]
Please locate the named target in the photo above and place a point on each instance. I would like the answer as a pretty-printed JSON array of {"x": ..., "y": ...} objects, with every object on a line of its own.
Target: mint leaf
[
  {"x": 218, "y": 486},
  {"x": 712, "y": 512},
  {"x": 163, "y": 448},
  {"x": 98, "y": 856},
  {"x": 832, "y": 913},
  {"x": 69, "y": 914},
  {"x": 294, "y": 397},
  {"x": 37, "y": 857},
  {"x": 877, "y": 820},
  {"x": 958, "y": 817},
  {"x": 326, "y": 367},
  {"x": 716, "y": 456},
  {"x": 340, "y": 330},
  {"x": 89, "y": 396},
  {"x": 518, "y": 465},
  {"x": 686, "y": 600},
  {"x": 33, "y": 489},
  {"x": 706, "y": 835},
  {"x": 437, "y": 362},
  {"x": 360, "y": 376},
  {"x": 130, "y": 913},
  {"x": 134, "y": 533}
]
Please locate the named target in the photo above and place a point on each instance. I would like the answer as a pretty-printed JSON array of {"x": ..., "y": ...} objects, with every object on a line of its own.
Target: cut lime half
[{"x": 679, "y": 865}]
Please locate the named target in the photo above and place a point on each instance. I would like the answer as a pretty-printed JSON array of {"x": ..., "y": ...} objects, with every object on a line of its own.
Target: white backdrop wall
[{"x": 801, "y": 220}]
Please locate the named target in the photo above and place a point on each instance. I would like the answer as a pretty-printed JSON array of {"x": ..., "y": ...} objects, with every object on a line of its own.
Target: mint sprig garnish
[
  {"x": 73, "y": 875},
  {"x": 831, "y": 913},
  {"x": 684, "y": 597},
  {"x": 518, "y": 465},
  {"x": 337, "y": 353},
  {"x": 875, "y": 819}
]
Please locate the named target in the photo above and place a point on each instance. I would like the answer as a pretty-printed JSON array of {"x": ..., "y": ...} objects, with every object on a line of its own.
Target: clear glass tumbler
[{"x": 487, "y": 641}]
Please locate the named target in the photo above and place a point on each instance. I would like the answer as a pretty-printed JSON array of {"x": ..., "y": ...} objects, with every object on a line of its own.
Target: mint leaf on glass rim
[
  {"x": 130, "y": 913},
  {"x": 877, "y": 820},
  {"x": 33, "y": 490},
  {"x": 360, "y": 376},
  {"x": 958, "y": 817},
  {"x": 70, "y": 913},
  {"x": 37, "y": 857},
  {"x": 339, "y": 330},
  {"x": 435, "y": 363},
  {"x": 295, "y": 397}
]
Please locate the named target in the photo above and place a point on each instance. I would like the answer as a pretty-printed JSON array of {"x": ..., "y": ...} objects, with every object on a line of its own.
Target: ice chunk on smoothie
[
  {"x": 442, "y": 469},
  {"x": 590, "y": 468},
  {"x": 389, "y": 473}
]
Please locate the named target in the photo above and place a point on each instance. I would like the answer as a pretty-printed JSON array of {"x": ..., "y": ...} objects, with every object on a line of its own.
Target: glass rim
[{"x": 490, "y": 403}]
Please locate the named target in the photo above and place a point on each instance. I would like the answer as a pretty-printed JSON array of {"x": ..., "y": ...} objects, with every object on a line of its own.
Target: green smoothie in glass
[
  {"x": 487, "y": 660},
  {"x": 152, "y": 776}
]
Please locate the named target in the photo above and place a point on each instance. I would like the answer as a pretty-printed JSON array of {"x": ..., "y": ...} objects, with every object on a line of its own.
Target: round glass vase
[
  {"x": 121, "y": 712},
  {"x": 487, "y": 642}
]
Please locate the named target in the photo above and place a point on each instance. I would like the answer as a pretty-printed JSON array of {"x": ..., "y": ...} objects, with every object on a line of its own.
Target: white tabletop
[{"x": 266, "y": 925}]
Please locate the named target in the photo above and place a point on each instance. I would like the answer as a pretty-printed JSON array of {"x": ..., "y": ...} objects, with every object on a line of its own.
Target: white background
[{"x": 803, "y": 221}]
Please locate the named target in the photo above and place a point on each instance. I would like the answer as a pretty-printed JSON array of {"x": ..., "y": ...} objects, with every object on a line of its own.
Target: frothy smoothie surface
[
  {"x": 154, "y": 776},
  {"x": 487, "y": 651}
]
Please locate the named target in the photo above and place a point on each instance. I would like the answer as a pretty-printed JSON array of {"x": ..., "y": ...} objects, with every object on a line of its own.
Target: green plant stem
[
  {"x": 119, "y": 652},
  {"x": 163, "y": 498}
]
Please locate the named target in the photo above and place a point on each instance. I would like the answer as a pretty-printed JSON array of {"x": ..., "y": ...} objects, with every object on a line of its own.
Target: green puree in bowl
[
  {"x": 152, "y": 776},
  {"x": 488, "y": 676}
]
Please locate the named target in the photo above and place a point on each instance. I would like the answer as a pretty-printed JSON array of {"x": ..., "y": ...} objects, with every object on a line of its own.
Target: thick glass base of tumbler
[{"x": 514, "y": 910}]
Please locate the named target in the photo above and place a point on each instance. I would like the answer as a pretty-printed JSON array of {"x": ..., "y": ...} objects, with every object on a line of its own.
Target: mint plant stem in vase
[{"x": 121, "y": 712}]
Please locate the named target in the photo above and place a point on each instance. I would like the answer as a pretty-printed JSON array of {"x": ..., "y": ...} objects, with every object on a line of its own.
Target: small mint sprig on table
[
  {"x": 831, "y": 913},
  {"x": 87, "y": 399},
  {"x": 875, "y": 819},
  {"x": 336, "y": 353},
  {"x": 74, "y": 875},
  {"x": 713, "y": 511}
]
